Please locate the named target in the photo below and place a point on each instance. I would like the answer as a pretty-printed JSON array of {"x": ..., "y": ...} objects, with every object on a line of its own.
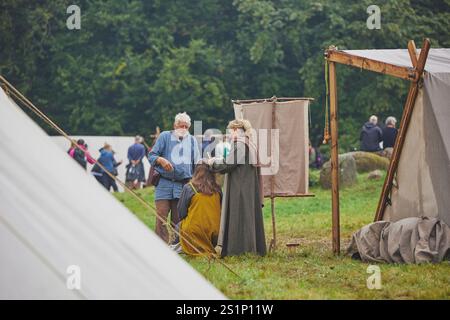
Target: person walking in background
[
  {"x": 199, "y": 212},
  {"x": 135, "y": 168},
  {"x": 81, "y": 154},
  {"x": 108, "y": 161},
  {"x": 371, "y": 135},
  {"x": 115, "y": 172},
  {"x": 173, "y": 157},
  {"x": 315, "y": 157}
]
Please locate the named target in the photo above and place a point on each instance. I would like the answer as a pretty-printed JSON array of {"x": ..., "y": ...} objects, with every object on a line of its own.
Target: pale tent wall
[
  {"x": 119, "y": 144},
  {"x": 54, "y": 215},
  {"x": 288, "y": 143},
  {"x": 422, "y": 184},
  {"x": 437, "y": 61}
]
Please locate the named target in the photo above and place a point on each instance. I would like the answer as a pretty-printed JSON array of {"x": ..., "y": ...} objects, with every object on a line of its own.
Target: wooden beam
[
  {"x": 334, "y": 159},
  {"x": 403, "y": 129},
  {"x": 240, "y": 101},
  {"x": 423, "y": 56},
  {"x": 412, "y": 52},
  {"x": 341, "y": 57}
]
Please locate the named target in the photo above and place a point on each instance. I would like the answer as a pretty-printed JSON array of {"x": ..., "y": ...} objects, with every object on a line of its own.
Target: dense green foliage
[{"x": 134, "y": 64}]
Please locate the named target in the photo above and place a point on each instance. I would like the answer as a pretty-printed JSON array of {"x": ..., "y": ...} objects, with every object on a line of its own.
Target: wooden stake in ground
[{"x": 334, "y": 159}]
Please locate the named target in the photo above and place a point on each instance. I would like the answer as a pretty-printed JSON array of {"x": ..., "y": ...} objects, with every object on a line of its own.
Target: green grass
[{"x": 311, "y": 271}]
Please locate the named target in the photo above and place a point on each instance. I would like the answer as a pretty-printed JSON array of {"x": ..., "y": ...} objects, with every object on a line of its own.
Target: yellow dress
[{"x": 201, "y": 226}]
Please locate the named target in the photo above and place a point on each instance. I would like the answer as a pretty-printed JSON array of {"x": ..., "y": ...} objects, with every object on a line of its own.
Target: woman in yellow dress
[{"x": 199, "y": 212}]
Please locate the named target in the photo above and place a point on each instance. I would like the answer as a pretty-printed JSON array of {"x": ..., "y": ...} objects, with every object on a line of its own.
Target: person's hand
[
  {"x": 211, "y": 161},
  {"x": 165, "y": 164}
]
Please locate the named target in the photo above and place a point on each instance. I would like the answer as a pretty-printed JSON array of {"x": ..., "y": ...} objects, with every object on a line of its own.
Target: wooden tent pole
[
  {"x": 272, "y": 187},
  {"x": 334, "y": 158},
  {"x": 404, "y": 124},
  {"x": 412, "y": 53}
]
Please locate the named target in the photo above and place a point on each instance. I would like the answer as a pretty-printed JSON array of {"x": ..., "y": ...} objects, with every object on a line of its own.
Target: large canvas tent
[
  {"x": 418, "y": 179},
  {"x": 53, "y": 215}
]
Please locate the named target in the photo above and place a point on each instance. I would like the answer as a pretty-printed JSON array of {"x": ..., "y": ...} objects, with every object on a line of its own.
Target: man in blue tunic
[
  {"x": 173, "y": 156},
  {"x": 135, "y": 168}
]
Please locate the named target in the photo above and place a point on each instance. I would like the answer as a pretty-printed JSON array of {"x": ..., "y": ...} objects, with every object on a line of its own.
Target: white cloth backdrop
[
  {"x": 120, "y": 146},
  {"x": 287, "y": 150}
]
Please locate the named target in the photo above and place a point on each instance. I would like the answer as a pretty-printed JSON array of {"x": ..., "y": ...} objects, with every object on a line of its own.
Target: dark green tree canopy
[{"x": 134, "y": 64}]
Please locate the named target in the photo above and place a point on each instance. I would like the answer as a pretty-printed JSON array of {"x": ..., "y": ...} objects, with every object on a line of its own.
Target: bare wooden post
[
  {"x": 274, "y": 230},
  {"x": 272, "y": 186},
  {"x": 334, "y": 159}
]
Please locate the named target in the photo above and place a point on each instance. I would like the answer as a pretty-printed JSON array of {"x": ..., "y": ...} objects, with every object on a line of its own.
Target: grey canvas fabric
[
  {"x": 54, "y": 215},
  {"x": 410, "y": 240},
  {"x": 422, "y": 182},
  {"x": 241, "y": 225}
]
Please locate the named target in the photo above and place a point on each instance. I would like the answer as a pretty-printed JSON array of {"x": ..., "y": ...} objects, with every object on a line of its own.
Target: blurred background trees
[{"x": 135, "y": 64}]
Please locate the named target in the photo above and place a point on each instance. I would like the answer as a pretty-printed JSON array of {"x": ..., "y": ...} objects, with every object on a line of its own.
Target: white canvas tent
[
  {"x": 418, "y": 179},
  {"x": 54, "y": 215}
]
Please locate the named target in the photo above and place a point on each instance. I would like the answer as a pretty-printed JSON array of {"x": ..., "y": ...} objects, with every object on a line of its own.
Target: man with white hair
[
  {"x": 173, "y": 157},
  {"x": 371, "y": 135},
  {"x": 389, "y": 133}
]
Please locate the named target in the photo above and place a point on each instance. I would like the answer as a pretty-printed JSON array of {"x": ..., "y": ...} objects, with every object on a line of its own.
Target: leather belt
[{"x": 183, "y": 181}]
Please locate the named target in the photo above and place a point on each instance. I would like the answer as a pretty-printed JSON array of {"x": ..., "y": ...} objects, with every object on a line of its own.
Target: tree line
[{"x": 134, "y": 64}]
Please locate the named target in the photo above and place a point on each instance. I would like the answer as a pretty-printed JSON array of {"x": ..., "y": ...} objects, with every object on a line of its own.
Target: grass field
[{"x": 311, "y": 271}]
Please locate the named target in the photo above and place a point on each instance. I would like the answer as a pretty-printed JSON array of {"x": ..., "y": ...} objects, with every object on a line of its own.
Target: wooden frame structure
[
  {"x": 414, "y": 74},
  {"x": 272, "y": 196}
]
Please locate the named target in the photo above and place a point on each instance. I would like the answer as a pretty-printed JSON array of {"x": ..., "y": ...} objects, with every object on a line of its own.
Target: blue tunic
[
  {"x": 107, "y": 160},
  {"x": 182, "y": 154},
  {"x": 136, "y": 152}
]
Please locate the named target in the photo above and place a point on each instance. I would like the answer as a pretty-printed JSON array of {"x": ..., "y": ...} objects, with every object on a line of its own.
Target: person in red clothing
[{"x": 81, "y": 154}]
